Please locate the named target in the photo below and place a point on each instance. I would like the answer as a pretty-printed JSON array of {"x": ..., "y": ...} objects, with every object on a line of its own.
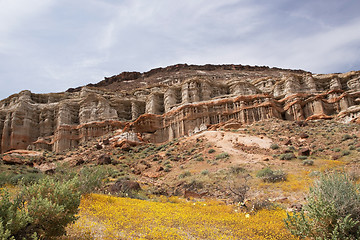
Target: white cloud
[{"x": 48, "y": 45}]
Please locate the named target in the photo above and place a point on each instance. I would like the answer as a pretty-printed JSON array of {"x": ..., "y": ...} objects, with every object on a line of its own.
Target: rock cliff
[{"x": 167, "y": 103}]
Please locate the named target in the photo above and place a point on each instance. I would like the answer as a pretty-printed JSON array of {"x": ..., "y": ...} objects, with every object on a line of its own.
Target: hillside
[
  {"x": 238, "y": 138},
  {"x": 164, "y": 104}
]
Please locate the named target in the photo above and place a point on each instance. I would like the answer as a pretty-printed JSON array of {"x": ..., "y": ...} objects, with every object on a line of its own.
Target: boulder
[
  {"x": 104, "y": 159},
  {"x": 48, "y": 168},
  {"x": 11, "y": 159},
  {"x": 106, "y": 141},
  {"x": 303, "y": 135},
  {"x": 125, "y": 186},
  {"x": 304, "y": 152}
]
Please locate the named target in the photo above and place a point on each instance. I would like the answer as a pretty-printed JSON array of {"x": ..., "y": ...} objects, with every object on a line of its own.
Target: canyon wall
[{"x": 173, "y": 104}]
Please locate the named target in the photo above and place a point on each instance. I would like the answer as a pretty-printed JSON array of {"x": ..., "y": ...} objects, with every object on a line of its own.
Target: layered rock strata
[{"x": 174, "y": 102}]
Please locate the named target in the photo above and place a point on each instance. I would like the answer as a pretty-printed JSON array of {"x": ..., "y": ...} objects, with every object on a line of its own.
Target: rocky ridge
[{"x": 179, "y": 100}]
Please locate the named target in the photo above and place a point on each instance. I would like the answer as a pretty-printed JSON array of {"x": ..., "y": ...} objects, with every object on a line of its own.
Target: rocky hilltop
[{"x": 179, "y": 100}]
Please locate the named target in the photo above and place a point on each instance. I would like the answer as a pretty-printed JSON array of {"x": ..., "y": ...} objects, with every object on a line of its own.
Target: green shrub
[
  {"x": 287, "y": 156},
  {"x": 345, "y": 152},
  {"x": 263, "y": 172},
  {"x": 28, "y": 178},
  {"x": 337, "y": 150},
  {"x": 274, "y": 146},
  {"x": 4, "y": 178},
  {"x": 308, "y": 162},
  {"x": 185, "y": 174},
  {"x": 44, "y": 209},
  {"x": 222, "y": 156},
  {"x": 90, "y": 179},
  {"x": 346, "y": 137},
  {"x": 236, "y": 170},
  {"x": 269, "y": 175},
  {"x": 205, "y": 172},
  {"x": 302, "y": 157},
  {"x": 332, "y": 211},
  {"x": 211, "y": 150}
]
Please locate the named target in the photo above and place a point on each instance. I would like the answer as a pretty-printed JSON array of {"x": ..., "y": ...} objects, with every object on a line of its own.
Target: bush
[
  {"x": 287, "y": 156},
  {"x": 308, "y": 162},
  {"x": 199, "y": 159},
  {"x": 211, "y": 150},
  {"x": 90, "y": 179},
  {"x": 274, "y": 146},
  {"x": 205, "y": 172},
  {"x": 345, "y": 152},
  {"x": 264, "y": 172},
  {"x": 346, "y": 137},
  {"x": 43, "y": 209},
  {"x": 268, "y": 175},
  {"x": 337, "y": 150},
  {"x": 236, "y": 170},
  {"x": 332, "y": 211},
  {"x": 222, "y": 156},
  {"x": 185, "y": 174},
  {"x": 28, "y": 178}
]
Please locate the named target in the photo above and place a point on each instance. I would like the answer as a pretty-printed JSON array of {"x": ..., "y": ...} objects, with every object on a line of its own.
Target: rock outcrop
[{"x": 179, "y": 100}]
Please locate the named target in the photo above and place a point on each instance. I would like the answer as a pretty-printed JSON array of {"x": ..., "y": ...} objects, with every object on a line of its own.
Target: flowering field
[{"x": 108, "y": 217}]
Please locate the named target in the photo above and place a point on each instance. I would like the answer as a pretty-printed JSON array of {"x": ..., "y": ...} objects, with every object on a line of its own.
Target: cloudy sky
[{"x": 51, "y": 45}]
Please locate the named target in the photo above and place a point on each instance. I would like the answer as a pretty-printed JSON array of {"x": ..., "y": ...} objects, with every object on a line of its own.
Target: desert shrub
[
  {"x": 346, "y": 137},
  {"x": 302, "y": 157},
  {"x": 194, "y": 185},
  {"x": 308, "y": 162},
  {"x": 337, "y": 150},
  {"x": 351, "y": 147},
  {"x": 44, "y": 209},
  {"x": 259, "y": 204},
  {"x": 205, "y": 172},
  {"x": 314, "y": 174},
  {"x": 274, "y": 146},
  {"x": 90, "y": 179},
  {"x": 263, "y": 172},
  {"x": 185, "y": 174},
  {"x": 14, "y": 179},
  {"x": 222, "y": 156},
  {"x": 332, "y": 211},
  {"x": 4, "y": 178},
  {"x": 236, "y": 170},
  {"x": 345, "y": 152},
  {"x": 211, "y": 150},
  {"x": 286, "y": 156},
  {"x": 269, "y": 175},
  {"x": 199, "y": 159},
  {"x": 28, "y": 178}
]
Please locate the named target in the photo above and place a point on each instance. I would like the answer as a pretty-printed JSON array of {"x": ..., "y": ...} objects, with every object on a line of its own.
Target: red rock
[
  {"x": 167, "y": 103},
  {"x": 303, "y": 135},
  {"x": 304, "y": 152}
]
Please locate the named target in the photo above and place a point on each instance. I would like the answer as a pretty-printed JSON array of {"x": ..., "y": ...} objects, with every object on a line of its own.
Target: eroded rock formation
[{"x": 170, "y": 102}]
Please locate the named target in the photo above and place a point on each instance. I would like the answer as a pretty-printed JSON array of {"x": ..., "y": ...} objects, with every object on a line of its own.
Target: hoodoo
[{"x": 167, "y": 103}]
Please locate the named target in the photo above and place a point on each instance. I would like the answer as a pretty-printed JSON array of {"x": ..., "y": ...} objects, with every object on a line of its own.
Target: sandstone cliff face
[{"x": 172, "y": 102}]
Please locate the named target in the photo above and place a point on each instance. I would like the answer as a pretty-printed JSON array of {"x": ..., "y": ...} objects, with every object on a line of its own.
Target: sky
[{"x": 52, "y": 45}]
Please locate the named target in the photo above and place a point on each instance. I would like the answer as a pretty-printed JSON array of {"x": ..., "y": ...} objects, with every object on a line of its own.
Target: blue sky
[{"x": 52, "y": 45}]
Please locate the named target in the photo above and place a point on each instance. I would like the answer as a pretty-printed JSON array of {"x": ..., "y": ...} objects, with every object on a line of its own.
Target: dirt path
[{"x": 228, "y": 140}]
